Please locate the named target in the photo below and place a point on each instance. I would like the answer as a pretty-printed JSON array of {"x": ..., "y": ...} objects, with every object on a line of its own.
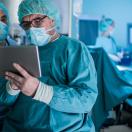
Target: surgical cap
[
  {"x": 5, "y": 11},
  {"x": 105, "y": 23},
  {"x": 44, "y": 7}
]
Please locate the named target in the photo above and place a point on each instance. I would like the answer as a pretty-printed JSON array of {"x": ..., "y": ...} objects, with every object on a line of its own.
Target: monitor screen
[
  {"x": 88, "y": 31},
  {"x": 129, "y": 34}
]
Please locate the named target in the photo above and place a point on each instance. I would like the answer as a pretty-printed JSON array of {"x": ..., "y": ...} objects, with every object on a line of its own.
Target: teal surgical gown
[{"x": 67, "y": 66}]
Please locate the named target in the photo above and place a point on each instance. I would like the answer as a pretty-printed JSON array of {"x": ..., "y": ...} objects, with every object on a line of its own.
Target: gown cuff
[
  {"x": 10, "y": 90},
  {"x": 44, "y": 93}
]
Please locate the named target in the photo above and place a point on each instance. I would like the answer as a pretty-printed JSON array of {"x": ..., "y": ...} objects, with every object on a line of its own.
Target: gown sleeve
[
  {"x": 5, "y": 97},
  {"x": 79, "y": 95}
]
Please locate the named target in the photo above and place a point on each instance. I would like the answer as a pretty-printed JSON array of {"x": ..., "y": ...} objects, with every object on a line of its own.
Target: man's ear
[{"x": 52, "y": 22}]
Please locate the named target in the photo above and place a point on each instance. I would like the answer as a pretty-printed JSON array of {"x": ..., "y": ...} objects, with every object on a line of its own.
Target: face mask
[
  {"x": 39, "y": 36},
  {"x": 111, "y": 30},
  {"x": 111, "y": 33},
  {"x": 3, "y": 31}
]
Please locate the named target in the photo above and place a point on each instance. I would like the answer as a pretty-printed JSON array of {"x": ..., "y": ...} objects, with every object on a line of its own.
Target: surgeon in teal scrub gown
[{"x": 62, "y": 99}]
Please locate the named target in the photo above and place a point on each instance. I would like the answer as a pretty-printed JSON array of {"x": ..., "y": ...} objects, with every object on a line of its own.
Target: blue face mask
[
  {"x": 4, "y": 29},
  {"x": 39, "y": 36}
]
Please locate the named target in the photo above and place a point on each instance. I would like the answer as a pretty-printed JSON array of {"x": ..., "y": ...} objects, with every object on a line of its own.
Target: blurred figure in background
[
  {"x": 4, "y": 25},
  {"x": 106, "y": 40},
  {"x": 4, "y": 41},
  {"x": 18, "y": 34}
]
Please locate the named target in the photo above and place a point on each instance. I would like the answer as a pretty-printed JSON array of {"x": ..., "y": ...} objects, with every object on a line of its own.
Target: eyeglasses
[
  {"x": 37, "y": 22},
  {"x": 4, "y": 19}
]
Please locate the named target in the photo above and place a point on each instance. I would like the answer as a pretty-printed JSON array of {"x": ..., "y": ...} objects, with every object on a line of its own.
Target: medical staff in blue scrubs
[
  {"x": 62, "y": 99},
  {"x": 105, "y": 40},
  {"x": 4, "y": 25},
  {"x": 4, "y": 41}
]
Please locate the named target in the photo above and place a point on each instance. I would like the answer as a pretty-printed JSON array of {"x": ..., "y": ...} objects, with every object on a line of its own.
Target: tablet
[{"x": 26, "y": 56}]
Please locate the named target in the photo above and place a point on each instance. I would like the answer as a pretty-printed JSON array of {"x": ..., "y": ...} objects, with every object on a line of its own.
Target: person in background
[
  {"x": 18, "y": 34},
  {"x": 60, "y": 100},
  {"x": 4, "y": 25},
  {"x": 4, "y": 41},
  {"x": 106, "y": 40}
]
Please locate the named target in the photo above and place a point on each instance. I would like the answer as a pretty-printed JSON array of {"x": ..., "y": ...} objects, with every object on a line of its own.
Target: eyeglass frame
[
  {"x": 4, "y": 19},
  {"x": 31, "y": 23}
]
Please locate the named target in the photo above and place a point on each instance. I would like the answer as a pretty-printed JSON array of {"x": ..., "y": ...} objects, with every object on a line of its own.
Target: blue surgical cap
[
  {"x": 44, "y": 7},
  {"x": 5, "y": 11},
  {"x": 105, "y": 23}
]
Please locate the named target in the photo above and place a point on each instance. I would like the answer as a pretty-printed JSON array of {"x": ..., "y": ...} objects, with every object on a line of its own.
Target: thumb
[{"x": 14, "y": 86}]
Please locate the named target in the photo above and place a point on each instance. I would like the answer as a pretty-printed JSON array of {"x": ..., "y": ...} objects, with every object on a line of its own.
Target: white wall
[
  {"x": 64, "y": 7},
  {"x": 12, "y": 6}
]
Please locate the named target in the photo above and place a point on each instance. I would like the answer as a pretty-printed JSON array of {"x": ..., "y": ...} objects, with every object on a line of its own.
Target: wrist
[{"x": 37, "y": 85}]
